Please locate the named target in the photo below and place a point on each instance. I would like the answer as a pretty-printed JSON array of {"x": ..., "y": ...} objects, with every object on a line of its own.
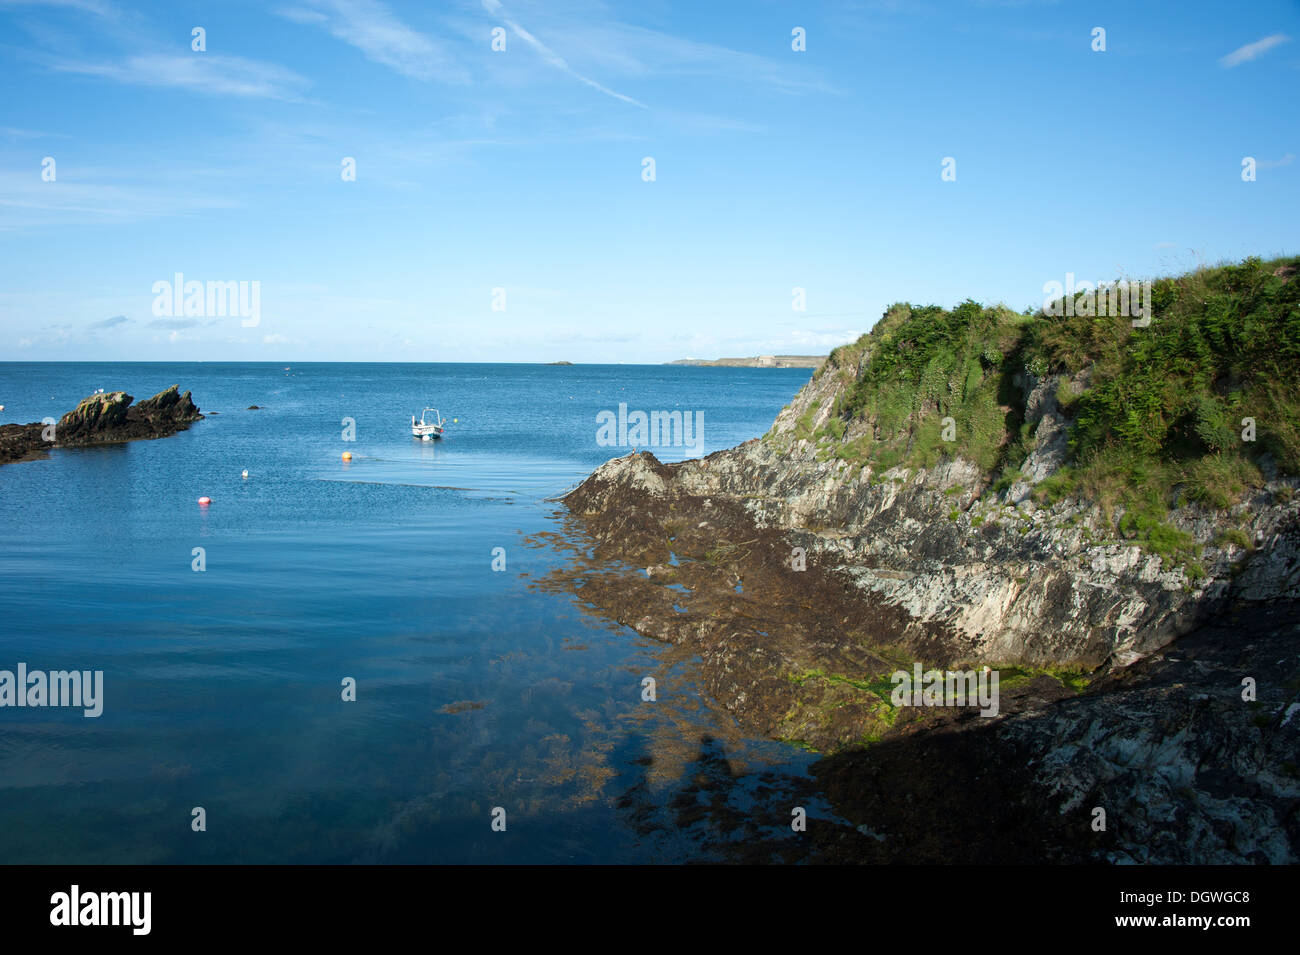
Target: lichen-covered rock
[
  {"x": 102, "y": 418},
  {"x": 1039, "y": 586},
  {"x": 94, "y": 415},
  {"x": 169, "y": 405}
]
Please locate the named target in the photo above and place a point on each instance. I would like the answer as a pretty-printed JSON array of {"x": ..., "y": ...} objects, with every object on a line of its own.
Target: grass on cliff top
[
  {"x": 1170, "y": 405},
  {"x": 917, "y": 367},
  {"x": 1157, "y": 413}
]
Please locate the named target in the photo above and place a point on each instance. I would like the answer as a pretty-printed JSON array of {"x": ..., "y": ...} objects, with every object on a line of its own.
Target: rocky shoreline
[
  {"x": 103, "y": 418},
  {"x": 802, "y": 581}
]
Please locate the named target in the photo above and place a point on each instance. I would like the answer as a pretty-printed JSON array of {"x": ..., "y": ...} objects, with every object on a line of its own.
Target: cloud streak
[
  {"x": 26, "y": 201},
  {"x": 86, "y": 6},
  {"x": 374, "y": 30},
  {"x": 225, "y": 75},
  {"x": 550, "y": 56},
  {"x": 1253, "y": 51}
]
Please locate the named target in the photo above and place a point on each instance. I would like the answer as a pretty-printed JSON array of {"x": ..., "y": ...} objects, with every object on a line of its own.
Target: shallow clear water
[{"x": 223, "y": 688}]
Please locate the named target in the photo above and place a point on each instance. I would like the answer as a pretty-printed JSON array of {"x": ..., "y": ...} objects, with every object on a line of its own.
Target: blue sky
[{"x": 522, "y": 169}]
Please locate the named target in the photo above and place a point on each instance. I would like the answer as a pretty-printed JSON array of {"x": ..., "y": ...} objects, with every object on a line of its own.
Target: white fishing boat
[{"x": 428, "y": 428}]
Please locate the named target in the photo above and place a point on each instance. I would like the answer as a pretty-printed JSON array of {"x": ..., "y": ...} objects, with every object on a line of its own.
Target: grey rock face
[{"x": 1012, "y": 581}]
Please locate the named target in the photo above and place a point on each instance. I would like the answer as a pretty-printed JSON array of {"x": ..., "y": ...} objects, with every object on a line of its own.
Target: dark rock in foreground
[
  {"x": 1185, "y": 769},
  {"x": 101, "y": 419}
]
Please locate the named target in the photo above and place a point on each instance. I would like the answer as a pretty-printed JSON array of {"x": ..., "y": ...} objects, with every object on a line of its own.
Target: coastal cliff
[
  {"x": 101, "y": 419},
  {"x": 1059, "y": 496}
]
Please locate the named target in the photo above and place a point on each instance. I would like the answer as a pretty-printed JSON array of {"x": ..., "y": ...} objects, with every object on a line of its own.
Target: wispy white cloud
[
  {"x": 209, "y": 73},
  {"x": 28, "y": 201},
  {"x": 1286, "y": 160},
  {"x": 374, "y": 30},
  {"x": 55, "y": 334},
  {"x": 818, "y": 339},
  {"x": 550, "y": 56},
  {"x": 1252, "y": 51},
  {"x": 655, "y": 53},
  {"x": 9, "y": 132},
  {"x": 96, "y": 7},
  {"x": 598, "y": 45}
]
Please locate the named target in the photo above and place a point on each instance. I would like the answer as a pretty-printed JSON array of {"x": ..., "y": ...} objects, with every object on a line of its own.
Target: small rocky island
[{"x": 104, "y": 418}]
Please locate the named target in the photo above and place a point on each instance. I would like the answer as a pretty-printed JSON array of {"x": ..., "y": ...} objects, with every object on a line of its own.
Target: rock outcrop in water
[
  {"x": 104, "y": 418},
  {"x": 850, "y": 542}
]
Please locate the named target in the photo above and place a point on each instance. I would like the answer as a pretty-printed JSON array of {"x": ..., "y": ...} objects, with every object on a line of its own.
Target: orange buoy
[
  {"x": 347, "y": 455},
  {"x": 204, "y": 501}
]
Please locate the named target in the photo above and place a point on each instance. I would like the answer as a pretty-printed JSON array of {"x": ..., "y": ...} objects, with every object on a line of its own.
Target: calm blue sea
[{"x": 223, "y": 687}]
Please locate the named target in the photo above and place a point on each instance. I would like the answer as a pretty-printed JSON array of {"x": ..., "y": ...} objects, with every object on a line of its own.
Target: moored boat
[{"x": 427, "y": 428}]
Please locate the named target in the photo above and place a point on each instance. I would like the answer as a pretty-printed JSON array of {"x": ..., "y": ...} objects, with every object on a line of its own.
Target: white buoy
[{"x": 245, "y": 474}]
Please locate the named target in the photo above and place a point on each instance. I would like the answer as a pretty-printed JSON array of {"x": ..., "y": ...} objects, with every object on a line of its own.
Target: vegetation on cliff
[{"x": 1196, "y": 407}]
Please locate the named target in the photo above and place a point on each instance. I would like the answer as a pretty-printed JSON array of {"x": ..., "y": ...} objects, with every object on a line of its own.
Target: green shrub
[
  {"x": 1235, "y": 536},
  {"x": 1159, "y": 424}
]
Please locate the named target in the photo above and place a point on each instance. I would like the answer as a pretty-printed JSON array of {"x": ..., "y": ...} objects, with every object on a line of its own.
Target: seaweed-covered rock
[
  {"x": 102, "y": 418},
  {"x": 94, "y": 415}
]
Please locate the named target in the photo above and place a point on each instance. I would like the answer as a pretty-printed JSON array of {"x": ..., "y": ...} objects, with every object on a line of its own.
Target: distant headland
[{"x": 762, "y": 361}]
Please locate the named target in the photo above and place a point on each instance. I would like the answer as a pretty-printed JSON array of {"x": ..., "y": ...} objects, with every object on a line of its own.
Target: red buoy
[{"x": 204, "y": 501}]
